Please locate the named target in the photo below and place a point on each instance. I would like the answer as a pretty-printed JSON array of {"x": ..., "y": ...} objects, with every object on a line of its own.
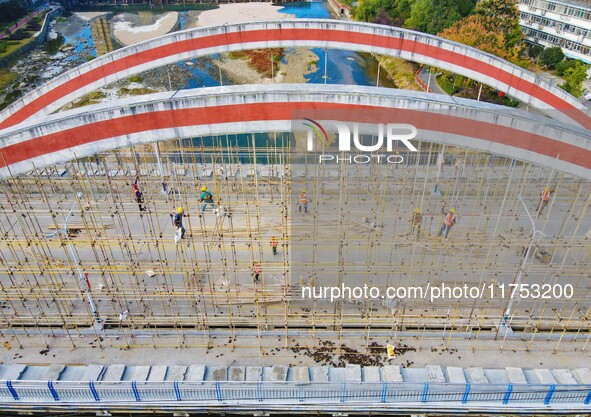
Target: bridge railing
[{"x": 291, "y": 392}]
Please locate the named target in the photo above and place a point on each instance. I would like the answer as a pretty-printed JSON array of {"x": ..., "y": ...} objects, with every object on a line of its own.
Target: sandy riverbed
[
  {"x": 128, "y": 34},
  {"x": 240, "y": 12}
]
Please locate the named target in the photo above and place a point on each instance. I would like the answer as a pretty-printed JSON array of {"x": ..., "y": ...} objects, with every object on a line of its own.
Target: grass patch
[
  {"x": 13, "y": 45},
  {"x": 262, "y": 60},
  {"x": 92, "y": 98},
  {"x": 53, "y": 45},
  {"x": 448, "y": 84},
  {"x": 6, "y": 78},
  {"x": 135, "y": 91},
  {"x": 136, "y": 79},
  {"x": 11, "y": 98},
  {"x": 400, "y": 72}
]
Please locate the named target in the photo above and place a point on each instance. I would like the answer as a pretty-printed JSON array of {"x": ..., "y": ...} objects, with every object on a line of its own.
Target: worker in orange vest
[
  {"x": 274, "y": 244},
  {"x": 448, "y": 221},
  {"x": 257, "y": 270},
  {"x": 303, "y": 202},
  {"x": 415, "y": 221},
  {"x": 544, "y": 199}
]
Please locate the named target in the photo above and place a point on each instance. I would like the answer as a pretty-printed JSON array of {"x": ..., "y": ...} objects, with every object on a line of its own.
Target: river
[{"x": 344, "y": 67}]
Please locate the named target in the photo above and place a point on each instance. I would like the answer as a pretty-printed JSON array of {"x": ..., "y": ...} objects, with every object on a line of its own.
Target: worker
[
  {"x": 303, "y": 202},
  {"x": 415, "y": 221},
  {"x": 448, "y": 221},
  {"x": 165, "y": 186},
  {"x": 274, "y": 244},
  {"x": 178, "y": 221},
  {"x": 206, "y": 198},
  {"x": 139, "y": 198},
  {"x": 544, "y": 198},
  {"x": 257, "y": 270}
]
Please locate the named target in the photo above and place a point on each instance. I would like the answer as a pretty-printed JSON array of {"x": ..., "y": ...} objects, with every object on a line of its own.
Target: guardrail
[{"x": 292, "y": 392}]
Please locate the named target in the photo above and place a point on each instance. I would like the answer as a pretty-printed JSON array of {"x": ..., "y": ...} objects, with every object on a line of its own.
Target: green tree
[
  {"x": 551, "y": 56},
  {"x": 565, "y": 64},
  {"x": 383, "y": 11},
  {"x": 432, "y": 16},
  {"x": 574, "y": 78},
  {"x": 534, "y": 51}
]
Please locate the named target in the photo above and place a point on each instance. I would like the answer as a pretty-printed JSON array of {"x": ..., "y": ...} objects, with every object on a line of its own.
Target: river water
[{"x": 344, "y": 67}]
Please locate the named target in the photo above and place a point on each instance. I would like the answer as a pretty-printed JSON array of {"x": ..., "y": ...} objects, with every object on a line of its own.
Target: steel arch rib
[
  {"x": 54, "y": 139},
  {"x": 386, "y": 40}
]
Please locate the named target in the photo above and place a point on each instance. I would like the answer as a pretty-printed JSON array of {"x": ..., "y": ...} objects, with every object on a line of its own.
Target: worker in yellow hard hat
[
  {"x": 415, "y": 222},
  {"x": 206, "y": 198},
  {"x": 178, "y": 221},
  {"x": 448, "y": 221}
]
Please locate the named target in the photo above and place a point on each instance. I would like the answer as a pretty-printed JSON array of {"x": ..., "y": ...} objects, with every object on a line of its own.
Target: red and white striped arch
[
  {"x": 356, "y": 36},
  {"x": 55, "y": 139}
]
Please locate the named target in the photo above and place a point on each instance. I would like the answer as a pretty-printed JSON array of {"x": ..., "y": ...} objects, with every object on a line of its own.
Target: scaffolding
[{"x": 110, "y": 260}]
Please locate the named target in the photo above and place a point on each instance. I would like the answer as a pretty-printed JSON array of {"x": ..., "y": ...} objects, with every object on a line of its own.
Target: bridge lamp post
[
  {"x": 535, "y": 234},
  {"x": 83, "y": 282}
]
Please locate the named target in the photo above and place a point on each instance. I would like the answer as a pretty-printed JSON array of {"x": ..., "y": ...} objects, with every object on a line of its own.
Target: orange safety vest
[
  {"x": 303, "y": 198},
  {"x": 545, "y": 195},
  {"x": 417, "y": 218},
  {"x": 449, "y": 219}
]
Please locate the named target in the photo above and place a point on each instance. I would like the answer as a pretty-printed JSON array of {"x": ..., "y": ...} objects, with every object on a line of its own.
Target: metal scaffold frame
[{"x": 108, "y": 259}]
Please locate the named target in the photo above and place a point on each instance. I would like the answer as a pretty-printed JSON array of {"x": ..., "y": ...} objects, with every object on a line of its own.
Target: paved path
[
  {"x": 21, "y": 23},
  {"x": 433, "y": 86}
]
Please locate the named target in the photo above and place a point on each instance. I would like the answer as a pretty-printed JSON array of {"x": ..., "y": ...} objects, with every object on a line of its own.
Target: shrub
[
  {"x": 562, "y": 66},
  {"x": 19, "y": 35}
]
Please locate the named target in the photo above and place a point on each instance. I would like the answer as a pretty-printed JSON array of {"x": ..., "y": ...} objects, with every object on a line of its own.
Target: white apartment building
[{"x": 558, "y": 23}]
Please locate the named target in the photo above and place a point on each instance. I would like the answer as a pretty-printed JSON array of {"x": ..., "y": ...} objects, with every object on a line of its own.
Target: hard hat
[
  {"x": 547, "y": 188},
  {"x": 417, "y": 210},
  {"x": 452, "y": 210},
  {"x": 273, "y": 237},
  {"x": 303, "y": 191},
  {"x": 204, "y": 188},
  {"x": 179, "y": 210}
]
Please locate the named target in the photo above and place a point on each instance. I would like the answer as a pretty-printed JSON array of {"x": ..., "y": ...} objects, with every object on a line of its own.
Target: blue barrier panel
[
  {"x": 218, "y": 391},
  {"x": 93, "y": 391},
  {"x": 466, "y": 394},
  {"x": 136, "y": 393},
  {"x": 507, "y": 396},
  {"x": 342, "y": 394},
  {"x": 425, "y": 392},
  {"x": 384, "y": 391},
  {"x": 12, "y": 390},
  {"x": 587, "y": 400},
  {"x": 53, "y": 391},
  {"x": 177, "y": 391},
  {"x": 549, "y": 395},
  {"x": 260, "y": 391}
]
